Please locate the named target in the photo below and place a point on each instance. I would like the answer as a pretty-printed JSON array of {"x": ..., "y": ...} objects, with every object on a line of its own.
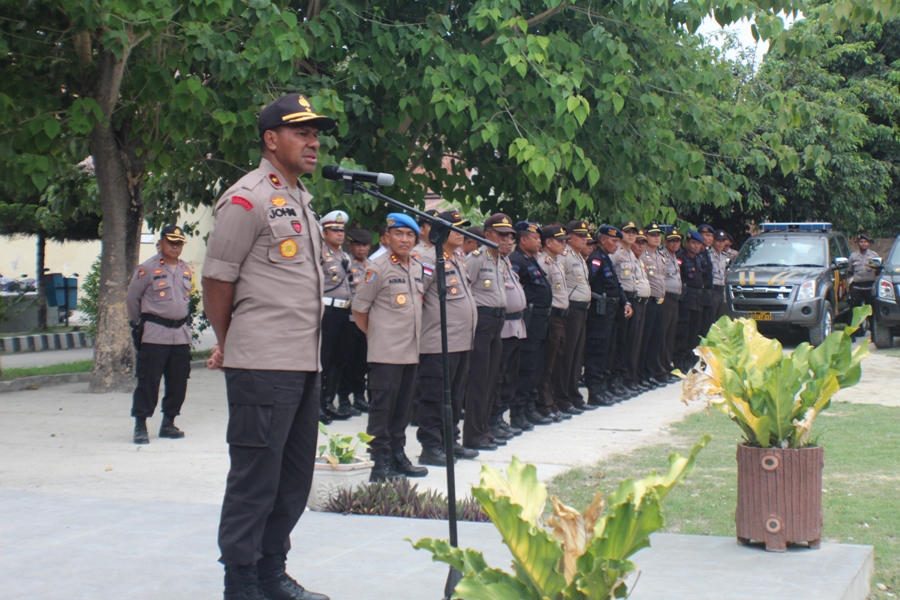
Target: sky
[{"x": 713, "y": 33}]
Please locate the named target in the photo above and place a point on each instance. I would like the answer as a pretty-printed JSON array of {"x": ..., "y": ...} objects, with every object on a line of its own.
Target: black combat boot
[
  {"x": 359, "y": 402},
  {"x": 384, "y": 468},
  {"x": 168, "y": 429},
  {"x": 276, "y": 584},
  {"x": 498, "y": 431},
  {"x": 517, "y": 419},
  {"x": 434, "y": 456},
  {"x": 241, "y": 584},
  {"x": 345, "y": 406},
  {"x": 461, "y": 451},
  {"x": 400, "y": 462},
  {"x": 140, "y": 431}
]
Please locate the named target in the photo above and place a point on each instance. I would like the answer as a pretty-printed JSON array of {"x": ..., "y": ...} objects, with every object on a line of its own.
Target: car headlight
[
  {"x": 807, "y": 291},
  {"x": 886, "y": 290}
]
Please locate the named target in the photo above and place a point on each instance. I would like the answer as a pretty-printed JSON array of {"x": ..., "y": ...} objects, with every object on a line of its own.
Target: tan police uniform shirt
[
  {"x": 357, "y": 271},
  {"x": 576, "y": 275},
  {"x": 859, "y": 266},
  {"x": 672, "y": 271},
  {"x": 631, "y": 272},
  {"x": 337, "y": 277},
  {"x": 420, "y": 248},
  {"x": 392, "y": 296},
  {"x": 487, "y": 278},
  {"x": 462, "y": 315},
  {"x": 655, "y": 267},
  {"x": 266, "y": 241},
  {"x": 719, "y": 261},
  {"x": 157, "y": 290},
  {"x": 557, "y": 278},
  {"x": 515, "y": 303}
]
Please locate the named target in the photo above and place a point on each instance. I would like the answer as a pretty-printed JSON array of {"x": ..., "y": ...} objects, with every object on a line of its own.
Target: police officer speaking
[
  {"x": 158, "y": 303},
  {"x": 262, "y": 291}
]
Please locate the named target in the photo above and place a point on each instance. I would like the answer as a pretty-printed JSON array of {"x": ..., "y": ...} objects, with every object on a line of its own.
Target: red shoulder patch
[
  {"x": 274, "y": 179},
  {"x": 241, "y": 201}
]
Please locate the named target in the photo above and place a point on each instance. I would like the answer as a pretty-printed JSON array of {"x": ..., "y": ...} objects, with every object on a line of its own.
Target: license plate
[{"x": 760, "y": 315}]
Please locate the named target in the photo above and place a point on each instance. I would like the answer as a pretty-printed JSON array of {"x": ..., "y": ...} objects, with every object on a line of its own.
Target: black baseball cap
[{"x": 291, "y": 109}]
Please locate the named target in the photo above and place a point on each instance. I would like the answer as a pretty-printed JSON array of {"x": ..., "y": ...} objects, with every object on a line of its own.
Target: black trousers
[
  {"x": 484, "y": 371},
  {"x": 431, "y": 395},
  {"x": 670, "y": 330},
  {"x": 335, "y": 332},
  {"x": 600, "y": 346},
  {"x": 651, "y": 342},
  {"x": 556, "y": 343},
  {"x": 272, "y": 432},
  {"x": 688, "y": 336},
  {"x": 634, "y": 340},
  {"x": 531, "y": 362},
  {"x": 509, "y": 375},
  {"x": 568, "y": 367},
  {"x": 154, "y": 362},
  {"x": 353, "y": 375},
  {"x": 716, "y": 306},
  {"x": 619, "y": 368},
  {"x": 391, "y": 389}
]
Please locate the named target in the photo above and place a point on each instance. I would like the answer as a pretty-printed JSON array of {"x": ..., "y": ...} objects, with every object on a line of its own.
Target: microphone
[{"x": 337, "y": 173}]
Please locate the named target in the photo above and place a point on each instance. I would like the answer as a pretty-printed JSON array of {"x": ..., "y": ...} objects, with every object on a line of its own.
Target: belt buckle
[{"x": 660, "y": 300}]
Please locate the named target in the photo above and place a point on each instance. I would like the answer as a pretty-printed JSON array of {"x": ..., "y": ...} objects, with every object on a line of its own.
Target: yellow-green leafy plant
[
  {"x": 570, "y": 556},
  {"x": 773, "y": 397},
  {"x": 341, "y": 449}
]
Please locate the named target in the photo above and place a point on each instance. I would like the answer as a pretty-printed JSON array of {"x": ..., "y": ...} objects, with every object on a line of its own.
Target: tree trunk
[
  {"x": 119, "y": 180},
  {"x": 41, "y": 285}
]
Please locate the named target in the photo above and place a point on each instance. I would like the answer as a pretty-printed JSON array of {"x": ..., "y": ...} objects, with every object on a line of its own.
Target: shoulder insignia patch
[
  {"x": 141, "y": 272},
  {"x": 565, "y": 252},
  {"x": 279, "y": 201},
  {"x": 241, "y": 201},
  {"x": 394, "y": 259},
  {"x": 370, "y": 275},
  {"x": 476, "y": 252},
  {"x": 548, "y": 260},
  {"x": 274, "y": 179}
]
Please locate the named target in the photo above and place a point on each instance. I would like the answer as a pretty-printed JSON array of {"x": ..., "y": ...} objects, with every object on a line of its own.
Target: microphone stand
[{"x": 440, "y": 231}]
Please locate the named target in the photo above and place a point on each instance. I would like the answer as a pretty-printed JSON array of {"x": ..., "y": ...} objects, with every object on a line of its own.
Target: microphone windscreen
[{"x": 331, "y": 172}]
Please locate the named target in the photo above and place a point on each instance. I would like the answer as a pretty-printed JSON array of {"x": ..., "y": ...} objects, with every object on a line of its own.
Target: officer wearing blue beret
[{"x": 691, "y": 309}]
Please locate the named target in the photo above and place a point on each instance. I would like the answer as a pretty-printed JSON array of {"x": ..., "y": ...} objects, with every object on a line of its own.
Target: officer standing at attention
[
  {"x": 539, "y": 294},
  {"x": 336, "y": 319},
  {"x": 654, "y": 261},
  {"x": 719, "y": 261},
  {"x": 689, "y": 312},
  {"x": 262, "y": 292},
  {"x": 862, "y": 276},
  {"x": 554, "y": 239},
  {"x": 498, "y": 228},
  {"x": 642, "y": 290},
  {"x": 630, "y": 272},
  {"x": 608, "y": 299},
  {"x": 461, "y": 320},
  {"x": 706, "y": 296},
  {"x": 159, "y": 300},
  {"x": 487, "y": 275},
  {"x": 568, "y": 370},
  {"x": 388, "y": 309},
  {"x": 423, "y": 242},
  {"x": 353, "y": 376},
  {"x": 671, "y": 305}
]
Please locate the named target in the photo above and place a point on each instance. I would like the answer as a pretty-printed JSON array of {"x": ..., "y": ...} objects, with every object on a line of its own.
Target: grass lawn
[
  {"x": 81, "y": 366},
  {"x": 860, "y": 483}
]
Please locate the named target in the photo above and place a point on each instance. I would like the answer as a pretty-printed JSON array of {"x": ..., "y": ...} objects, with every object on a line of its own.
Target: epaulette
[
  {"x": 565, "y": 252},
  {"x": 476, "y": 252},
  {"x": 548, "y": 260}
]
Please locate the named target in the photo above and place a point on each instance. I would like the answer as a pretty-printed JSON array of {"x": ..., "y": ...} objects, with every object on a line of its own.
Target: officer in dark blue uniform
[
  {"x": 707, "y": 308},
  {"x": 690, "y": 311},
  {"x": 539, "y": 294},
  {"x": 607, "y": 299}
]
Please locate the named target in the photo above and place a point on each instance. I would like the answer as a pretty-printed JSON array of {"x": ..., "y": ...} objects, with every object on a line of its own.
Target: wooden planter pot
[
  {"x": 779, "y": 496},
  {"x": 329, "y": 480}
]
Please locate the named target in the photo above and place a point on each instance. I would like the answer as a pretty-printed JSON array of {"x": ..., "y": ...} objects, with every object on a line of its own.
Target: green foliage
[
  {"x": 400, "y": 498},
  {"x": 773, "y": 397},
  {"x": 583, "y": 556},
  {"x": 90, "y": 294},
  {"x": 340, "y": 449}
]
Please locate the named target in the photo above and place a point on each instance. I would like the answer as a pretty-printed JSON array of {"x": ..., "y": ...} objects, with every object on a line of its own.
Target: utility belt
[
  {"x": 862, "y": 285},
  {"x": 578, "y": 304},
  {"x": 604, "y": 305},
  {"x": 630, "y": 295},
  {"x": 640, "y": 300},
  {"x": 543, "y": 312},
  {"x": 514, "y": 316},
  {"x": 673, "y": 297},
  {"x": 559, "y": 312},
  {"x": 336, "y": 302},
  {"x": 718, "y": 288},
  {"x": 492, "y": 311},
  {"x": 170, "y": 323}
]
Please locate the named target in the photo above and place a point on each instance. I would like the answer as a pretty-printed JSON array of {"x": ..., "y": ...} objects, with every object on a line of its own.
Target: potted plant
[
  {"x": 338, "y": 467},
  {"x": 575, "y": 556},
  {"x": 774, "y": 398}
]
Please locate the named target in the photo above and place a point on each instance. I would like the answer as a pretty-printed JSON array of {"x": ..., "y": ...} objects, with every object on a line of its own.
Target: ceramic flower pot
[
  {"x": 779, "y": 496},
  {"x": 329, "y": 480}
]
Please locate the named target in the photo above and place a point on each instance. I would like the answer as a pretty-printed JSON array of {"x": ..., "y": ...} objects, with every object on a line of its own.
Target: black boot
[
  {"x": 401, "y": 463},
  {"x": 276, "y": 584},
  {"x": 323, "y": 416},
  {"x": 140, "y": 431},
  {"x": 359, "y": 402},
  {"x": 384, "y": 469},
  {"x": 498, "y": 431},
  {"x": 434, "y": 456},
  {"x": 168, "y": 429},
  {"x": 517, "y": 419},
  {"x": 241, "y": 583},
  {"x": 345, "y": 406},
  {"x": 336, "y": 414},
  {"x": 461, "y": 451}
]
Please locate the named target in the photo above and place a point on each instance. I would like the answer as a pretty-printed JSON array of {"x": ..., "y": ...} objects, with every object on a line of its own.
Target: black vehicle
[
  {"x": 885, "y": 310},
  {"x": 791, "y": 275}
]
